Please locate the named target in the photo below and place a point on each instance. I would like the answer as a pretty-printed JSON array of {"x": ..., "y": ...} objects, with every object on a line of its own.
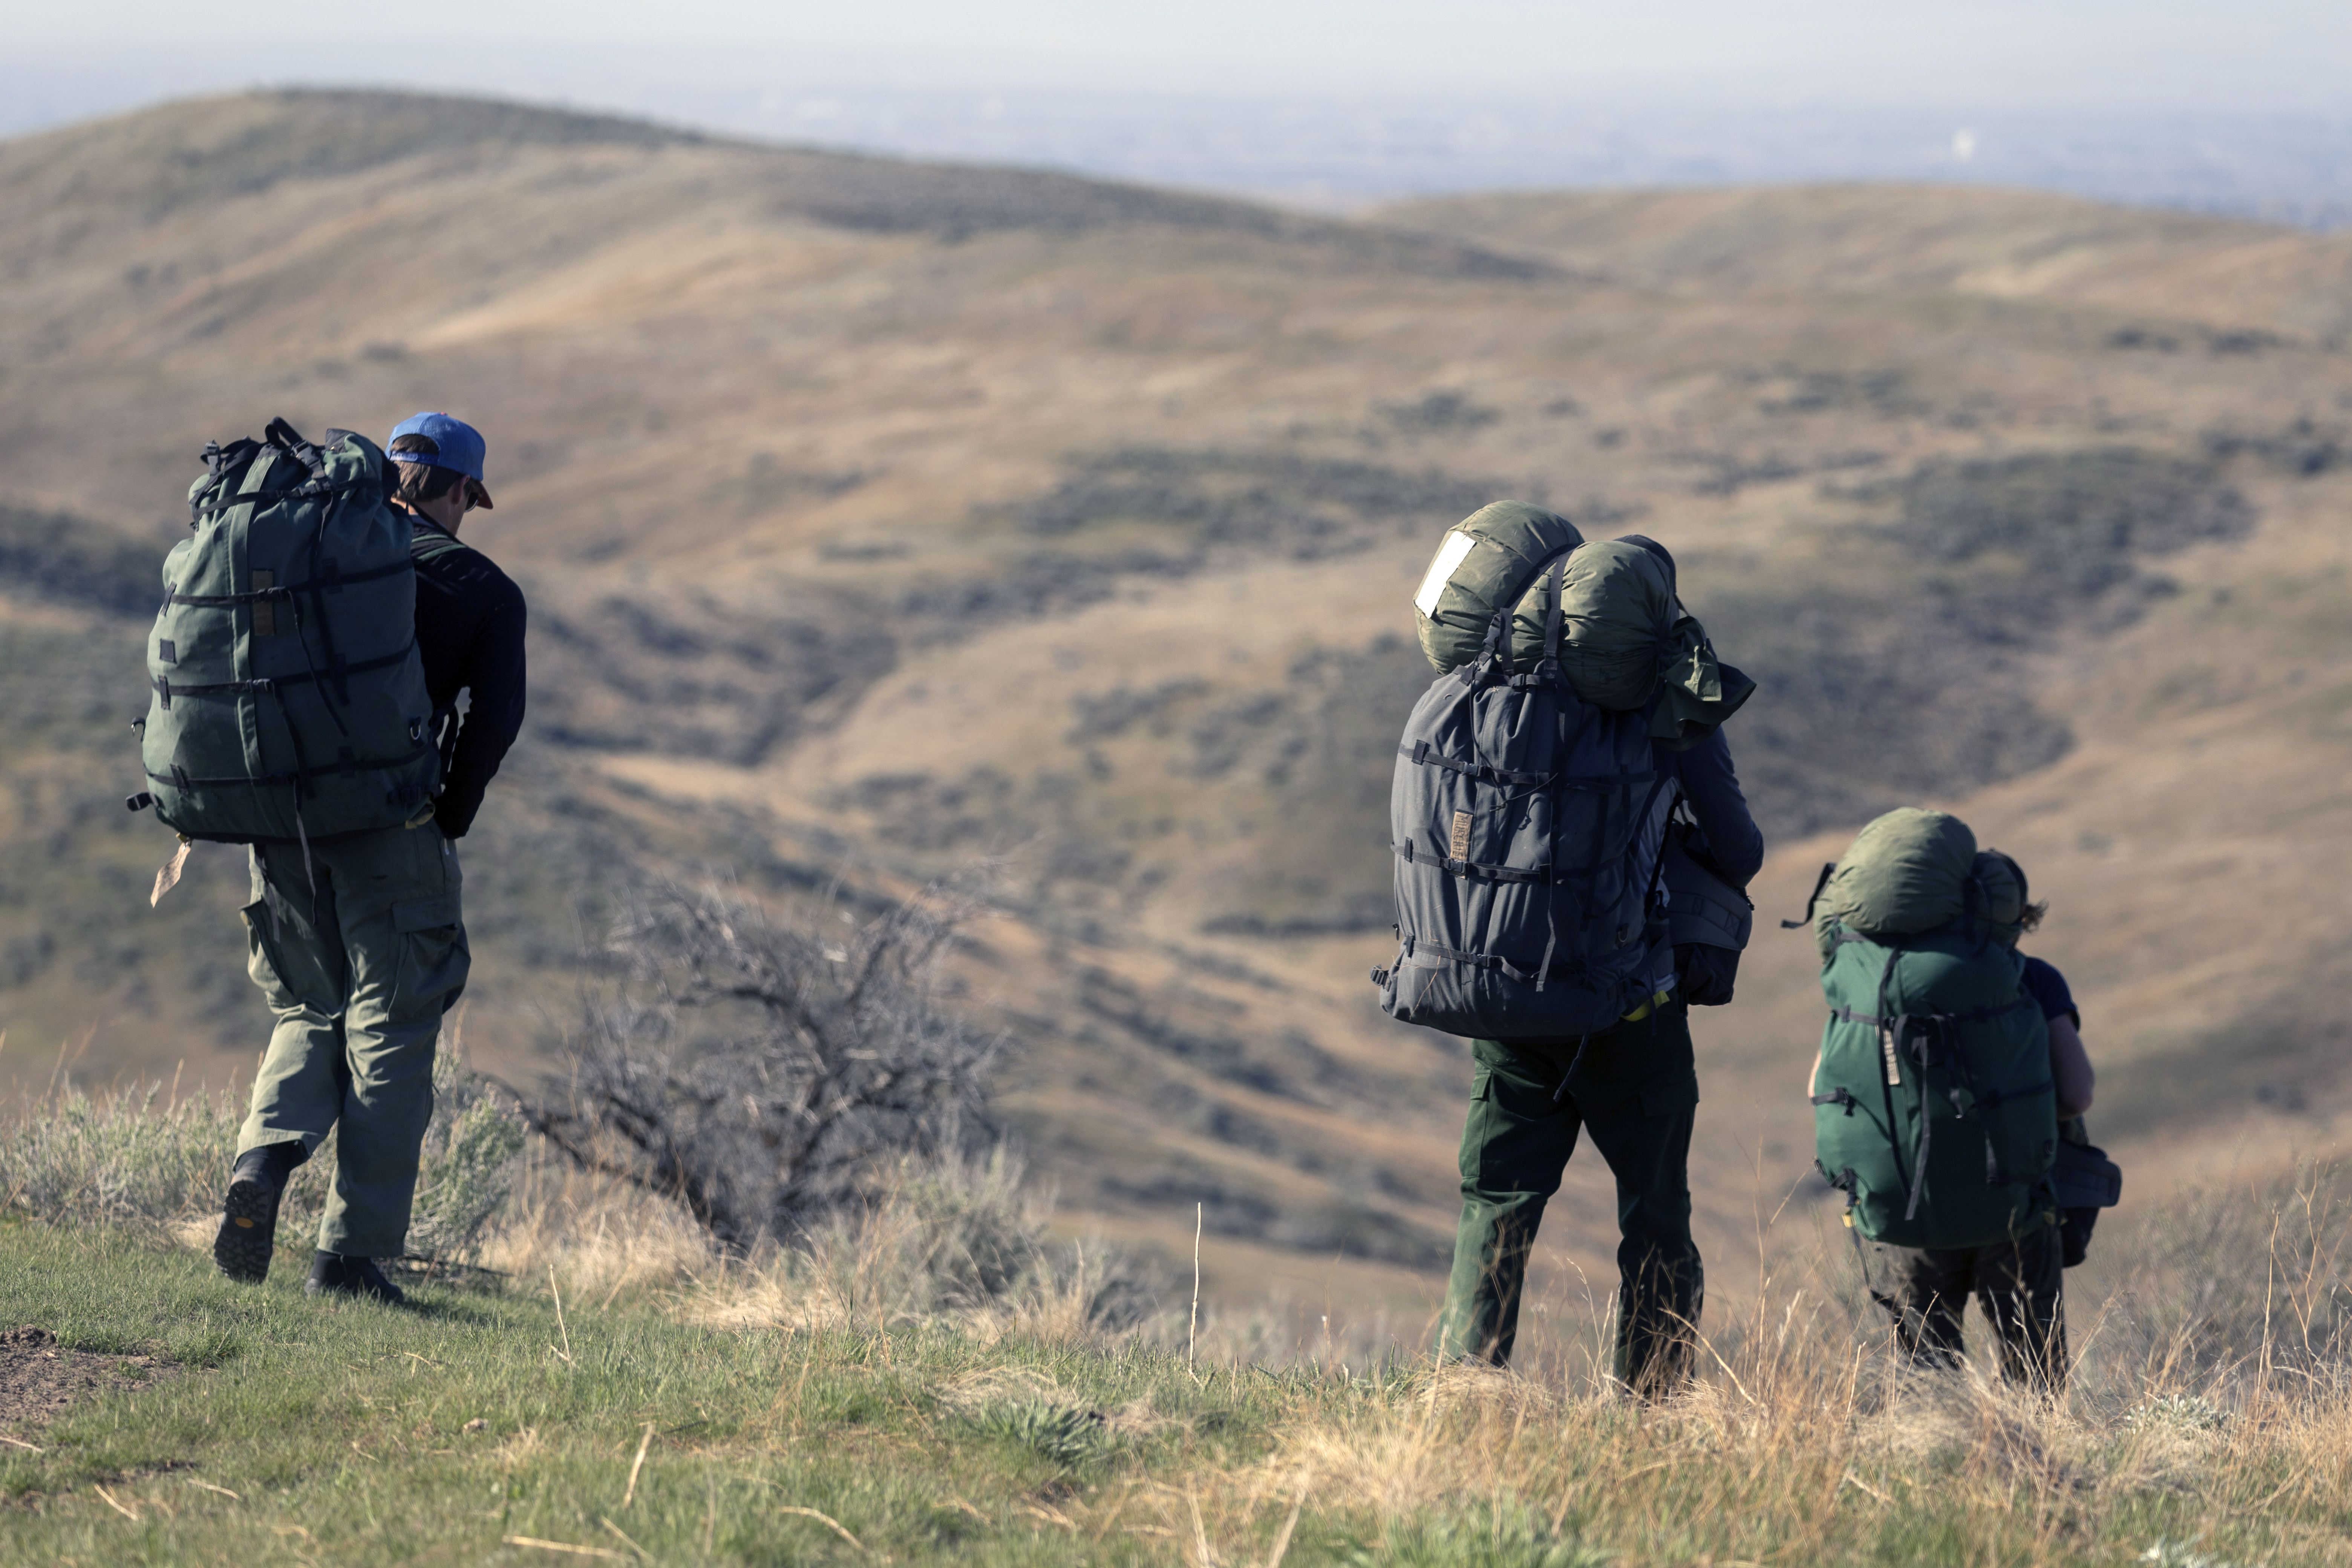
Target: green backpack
[
  {"x": 1934, "y": 1109},
  {"x": 1488, "y": 560},
  {"x": 289, "y": 701},
  {"x": 1618, "y": 636}
]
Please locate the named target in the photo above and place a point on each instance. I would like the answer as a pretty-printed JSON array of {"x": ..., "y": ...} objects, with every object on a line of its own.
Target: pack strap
[
  {"x": 1989, "y": 1102},
  {"x": 1494, "y": 960},
  {"x": 1841, "y": 1096},
  {"x": 1423, "y": 754},
  {"x": 180, "y": 779},
  {"x": 224, "y": 601},
  {"x": 1852, "y": 1188},
  {"x": 1975, "y": 1016},
  {"x": 1547, "y": 671},
  {"x": 1919, "y": 1166},
  {"x": 1480, "y": 772},
  {"x": 166, "y": 688},
  {"x": 269, "y": 500},
  {"x": 1818, "y": 883},
  {"x": 1474, "y": 869}
]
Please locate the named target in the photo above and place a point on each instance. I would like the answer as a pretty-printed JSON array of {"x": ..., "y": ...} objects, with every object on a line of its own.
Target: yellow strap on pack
[{"x": 1652, "y": 1006}]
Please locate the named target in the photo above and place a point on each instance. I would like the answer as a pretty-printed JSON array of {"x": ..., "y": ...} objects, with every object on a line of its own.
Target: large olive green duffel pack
[
  {"x": 1624, "y": 639},
  {"x": 1528, "y": 809},
  {"x": 288, "y": 701},
  {"x": 1934, "y": 1107}
]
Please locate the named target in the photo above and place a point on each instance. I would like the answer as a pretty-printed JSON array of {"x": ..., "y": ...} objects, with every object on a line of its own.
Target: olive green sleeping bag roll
[
  {"x": 1914, "y": 871},
  {"x": 1626, "y": 639},
  {"x": 1485, "y": 562}
]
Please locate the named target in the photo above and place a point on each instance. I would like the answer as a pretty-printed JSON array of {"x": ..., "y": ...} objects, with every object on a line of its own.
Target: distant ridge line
[{"x": 238, "y": 145}]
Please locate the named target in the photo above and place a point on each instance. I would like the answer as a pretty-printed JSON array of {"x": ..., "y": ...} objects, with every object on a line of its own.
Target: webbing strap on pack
[
  {"x": 1853, "y": 1190},
  {"x": 168, "y": 688},
  {"x": 223, "y": 601},
  {"x": 1476, "y": 870},
  {"x": 1974, "y": 1016},
  {"x": 180, "y": 779},
  {"x": 1818, "y": 883},
  {"x": 1424, "y": 756},
  {"x": 1987, "y": 1103},
  {"x": 268, "y": 501}
]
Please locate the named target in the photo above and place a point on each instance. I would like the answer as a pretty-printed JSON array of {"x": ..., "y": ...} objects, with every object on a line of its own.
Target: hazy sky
[{"x": 2244, "y": 53}]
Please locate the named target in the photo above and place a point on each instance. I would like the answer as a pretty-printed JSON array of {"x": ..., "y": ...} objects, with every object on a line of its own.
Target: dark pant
[
  {"x": 1636, "y": 1087},
  {"x": 2017, "y": 1284}
]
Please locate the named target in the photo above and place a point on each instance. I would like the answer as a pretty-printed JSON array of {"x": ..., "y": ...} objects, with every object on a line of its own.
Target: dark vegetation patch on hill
[
  {"x": 1169, "y": 512},
  {"x": 691, "y": 676},
  {"x": 67, "y": 560}
]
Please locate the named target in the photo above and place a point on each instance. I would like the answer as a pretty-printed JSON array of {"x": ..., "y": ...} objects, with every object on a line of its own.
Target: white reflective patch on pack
[{"x": 1450, "y": 554}]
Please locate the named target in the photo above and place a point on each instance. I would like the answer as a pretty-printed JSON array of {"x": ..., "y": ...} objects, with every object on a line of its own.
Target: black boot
[
  {"x": 331, "y": 1275},
  {"x": 248, "y": 1231}
]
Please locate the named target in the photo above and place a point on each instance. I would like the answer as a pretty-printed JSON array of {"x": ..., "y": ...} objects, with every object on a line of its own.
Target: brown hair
[{"x": 417, "y": 481}]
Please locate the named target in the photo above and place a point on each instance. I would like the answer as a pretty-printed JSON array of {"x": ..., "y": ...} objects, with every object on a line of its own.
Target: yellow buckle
[{"x": 1646, "y": 1008}]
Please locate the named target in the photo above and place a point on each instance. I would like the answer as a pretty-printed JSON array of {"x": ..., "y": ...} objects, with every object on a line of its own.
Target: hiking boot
[
  {"x": 248, "y": 1230},
  {"x": 336, "y": 1276}
]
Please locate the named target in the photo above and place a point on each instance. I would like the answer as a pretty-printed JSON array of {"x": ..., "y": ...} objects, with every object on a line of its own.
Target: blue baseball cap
[{"x": 455, "y": 444}]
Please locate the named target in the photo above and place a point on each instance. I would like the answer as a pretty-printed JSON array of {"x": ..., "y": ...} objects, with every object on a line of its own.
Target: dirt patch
[{"x": 39, "y": 1377}]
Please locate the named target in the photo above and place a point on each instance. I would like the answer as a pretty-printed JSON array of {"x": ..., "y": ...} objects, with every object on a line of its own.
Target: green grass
[
  {"x": 345, "y": 1432},
  {"x": 355, "y": 1433}
]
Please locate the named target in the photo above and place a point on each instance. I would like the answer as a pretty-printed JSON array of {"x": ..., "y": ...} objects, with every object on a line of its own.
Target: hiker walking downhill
[
  {"x": 1553, "y": 908},
  {"x": 355, "y": 932},
  {"x": 1949, "y": 1094}
]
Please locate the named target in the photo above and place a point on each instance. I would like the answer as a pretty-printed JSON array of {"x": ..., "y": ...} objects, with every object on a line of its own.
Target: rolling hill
[{"x": 880, "y": 517}]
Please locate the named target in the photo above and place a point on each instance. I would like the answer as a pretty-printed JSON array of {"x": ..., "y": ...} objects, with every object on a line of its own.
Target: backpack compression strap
[{"x": 1818, "y": 883}]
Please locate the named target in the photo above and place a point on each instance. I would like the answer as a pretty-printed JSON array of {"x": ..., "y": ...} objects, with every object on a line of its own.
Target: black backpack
[{"x": 1527, "y": 826}]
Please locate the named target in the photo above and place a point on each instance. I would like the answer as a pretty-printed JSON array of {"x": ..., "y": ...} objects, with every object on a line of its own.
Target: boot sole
[{"x": 249, "y": 1232}]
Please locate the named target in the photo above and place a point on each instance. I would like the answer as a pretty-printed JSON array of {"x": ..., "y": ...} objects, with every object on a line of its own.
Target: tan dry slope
[{"x": 812, "y": 466}]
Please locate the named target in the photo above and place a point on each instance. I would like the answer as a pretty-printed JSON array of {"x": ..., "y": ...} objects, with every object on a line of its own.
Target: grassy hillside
[
  {"x": 154, "y": 1413},
  {"x": 881, "y": 516}
]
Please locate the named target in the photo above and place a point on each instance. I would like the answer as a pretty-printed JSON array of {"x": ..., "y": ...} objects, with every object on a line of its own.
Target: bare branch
[{"x": 760, "y": 1073}]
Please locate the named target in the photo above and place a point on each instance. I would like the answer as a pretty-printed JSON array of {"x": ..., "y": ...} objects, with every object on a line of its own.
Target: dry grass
[
  {"x": 601, "y": 1236},
  {"x": 1805, "y": 1441}
]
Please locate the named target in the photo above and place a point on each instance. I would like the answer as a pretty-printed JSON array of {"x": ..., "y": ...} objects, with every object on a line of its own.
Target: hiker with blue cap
[{"x": 364, "y": 948}]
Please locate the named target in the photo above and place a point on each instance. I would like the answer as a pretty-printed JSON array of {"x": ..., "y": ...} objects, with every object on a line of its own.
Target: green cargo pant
[
  {"x": 2020, "y": 1285},
  {"x": 359, "y": 974},
  {"x": 1636, "y": 1087}
]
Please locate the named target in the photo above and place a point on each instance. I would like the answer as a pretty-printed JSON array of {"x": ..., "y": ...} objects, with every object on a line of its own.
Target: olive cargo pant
[
  {"x": 359, "y": 978},
  {"x": 2018, "y": 1284},
  {"x": 1636, "y": 1087}
]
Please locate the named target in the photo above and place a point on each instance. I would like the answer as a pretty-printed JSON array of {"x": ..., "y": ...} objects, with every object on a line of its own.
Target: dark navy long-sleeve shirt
[
  {"x": 1712, "y": 789},
  {"x": 469, "y": 633}
]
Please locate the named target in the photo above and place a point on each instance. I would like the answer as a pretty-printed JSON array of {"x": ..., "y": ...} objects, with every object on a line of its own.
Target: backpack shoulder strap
[{"x": 427, "y": 543}]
